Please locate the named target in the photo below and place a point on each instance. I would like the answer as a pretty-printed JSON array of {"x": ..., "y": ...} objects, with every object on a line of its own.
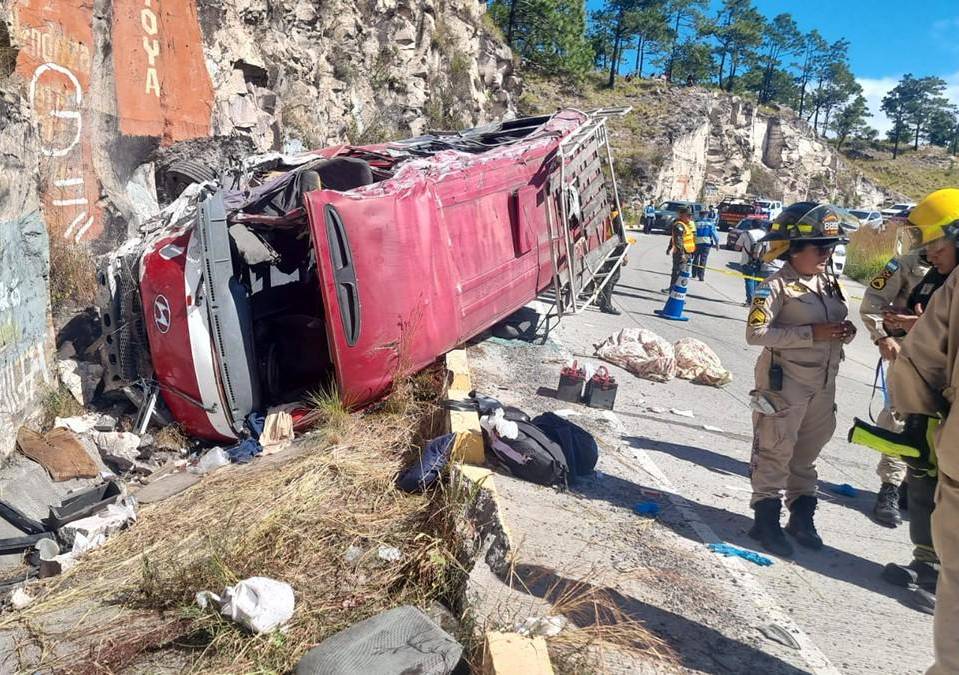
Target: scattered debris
[
  {"x": 642, "y": 352},
  {"x": 777, "y": 633},
  {"x": 546, "y": 626},
  {"x": 728, "y": 550},
  {"x": 846, "y": 490},
  {"x": 80, "y": 378},
  {"x": 614, "y": 421},
  {"x": 389, "y": 553},
  {"x": 709, "y": 427},
  {"x": 82, "y": 424},
  {"x": 166, "y": 483},
  {"x": 601, "y": 390},
  {"x": 572, "y": 379},
  {"x": 93, "y": 530},
  {"x": 211, "y": 460},
  {"x": 428, "y": 466},
  {"x": 659, "y": 410},
  {"x": 260, "y": 604},
  {"x": 682, "y": 413},
  {"x": 20, "y": 598},
  {"x": 566, "y": 412},
  {"x": 59, "y": 451},
  {"x": 400, "y": 640},
  {"x": 647, "y": 507},
  {"x": 697, "y": 362},
  {"x": 650, "y": 356},
  {"x": 277, "y": 429},
  {"x": 353, "y": 553},
  {"x": 118, "y": 444}
]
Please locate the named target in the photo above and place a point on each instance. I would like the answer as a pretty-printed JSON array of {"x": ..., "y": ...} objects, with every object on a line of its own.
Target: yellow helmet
[{"x": 933, "y": 218}]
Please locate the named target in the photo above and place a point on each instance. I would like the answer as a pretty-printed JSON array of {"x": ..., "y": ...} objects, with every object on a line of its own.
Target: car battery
[
  {"x": 571, "y": 381},
  {"x": 601, "y": 390}
]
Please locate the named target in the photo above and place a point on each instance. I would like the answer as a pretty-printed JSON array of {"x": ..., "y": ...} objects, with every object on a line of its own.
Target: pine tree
[{"x": 550, "y": 34}]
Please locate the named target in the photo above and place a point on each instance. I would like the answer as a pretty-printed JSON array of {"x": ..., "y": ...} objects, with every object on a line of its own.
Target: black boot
[
  {"x": 767, "y": 530},
  {"x": 904, "y": 496},
  {"x": 801, "y": 525},
  {"x": 919, "y": 573},
  {"x": 886, "y": 510}
]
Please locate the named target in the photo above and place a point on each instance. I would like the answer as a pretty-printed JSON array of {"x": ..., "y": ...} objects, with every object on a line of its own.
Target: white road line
[
  {"x": 68, "y": 182},
  {"x": 818, "y": 662},
  {"x": 70, "y": 202}
]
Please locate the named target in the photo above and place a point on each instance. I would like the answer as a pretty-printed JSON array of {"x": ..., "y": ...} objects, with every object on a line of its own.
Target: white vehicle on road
[
  {"x": 868, "y": 218},
  {"x": 896, "y": 211},
  {"x": 769, "y": 207}
]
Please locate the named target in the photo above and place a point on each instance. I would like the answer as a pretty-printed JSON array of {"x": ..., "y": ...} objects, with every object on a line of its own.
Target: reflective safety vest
[
  {"x": 688, "y": 241},
  {"x": 704, "y": 233}
]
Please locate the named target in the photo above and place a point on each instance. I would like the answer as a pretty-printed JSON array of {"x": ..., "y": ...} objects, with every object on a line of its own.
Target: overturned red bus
[{"x": 346, "y": 265}]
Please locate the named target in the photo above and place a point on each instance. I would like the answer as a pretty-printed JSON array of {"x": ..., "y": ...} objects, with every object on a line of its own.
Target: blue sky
[{"x": 888, "y": 39}]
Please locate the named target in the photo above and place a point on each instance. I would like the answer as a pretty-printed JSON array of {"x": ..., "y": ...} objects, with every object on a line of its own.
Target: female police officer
[{"x": 799, "y": 316}]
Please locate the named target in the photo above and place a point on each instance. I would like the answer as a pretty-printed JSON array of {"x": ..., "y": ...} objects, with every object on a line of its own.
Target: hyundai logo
[{"x": 161, "y": 313}]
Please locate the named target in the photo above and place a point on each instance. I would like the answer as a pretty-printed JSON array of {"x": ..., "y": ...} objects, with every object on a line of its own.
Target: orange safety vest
[{"x": 688, "y": 242}]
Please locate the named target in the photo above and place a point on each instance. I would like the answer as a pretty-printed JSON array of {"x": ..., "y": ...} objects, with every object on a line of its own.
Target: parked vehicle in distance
[
  {"x": 770, "y": 208},
  {"x": 345, "y": 268},
  {"x": 731, "y": 211},
  {"x": 753, "y": 222},
  {"x": 668, "y": 211},
  {"x": 868, "y": 218},
  {"x": 897, "y": 212}
]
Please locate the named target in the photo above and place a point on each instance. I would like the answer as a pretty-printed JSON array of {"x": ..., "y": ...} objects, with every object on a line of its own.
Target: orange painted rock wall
[
  {"x": 162, "y": 90},
  {"x": 163, "y": 87}
]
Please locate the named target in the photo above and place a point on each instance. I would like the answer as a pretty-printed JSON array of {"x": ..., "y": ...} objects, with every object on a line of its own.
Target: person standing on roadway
[
  {"x": 890, "y": 288},
  {"x": 682, "y": 244},
  {"x": 649, "y": 217},
  {"x": 752, "y": 265},
  {"x": 923, "y": 380},
  {"x": 706, "y": 238},
  {"x": 799, "y": 316}
]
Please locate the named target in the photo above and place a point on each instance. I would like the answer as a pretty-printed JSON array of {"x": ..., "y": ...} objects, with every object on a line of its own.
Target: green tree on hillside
[
  {"x": 738, "y": 31},
  {"x": 896, "y": 105},
  {"x": 813, "y": 47},
  {"x": 850, "y": 120},
  {"x": 652, "y": 31},
  {"x": 550, "y": 34},
  {"x": 781, "y": 38},
  {"x": 681, "y": 15},
  {"x": 926, "y": 98},
  {"x": 694, "y": 62},
  {"x": 942, "y": 129}
]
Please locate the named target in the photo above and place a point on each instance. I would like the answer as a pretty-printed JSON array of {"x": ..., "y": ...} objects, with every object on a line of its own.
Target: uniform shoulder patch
[
  {"x": 879, "y": 282},
  {"x": 758, "y": 317}
]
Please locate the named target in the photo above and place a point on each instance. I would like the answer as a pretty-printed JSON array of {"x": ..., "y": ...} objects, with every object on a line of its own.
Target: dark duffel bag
[
  {"x": 578, "y": 445},
  {"x": 531, "y": 456}
]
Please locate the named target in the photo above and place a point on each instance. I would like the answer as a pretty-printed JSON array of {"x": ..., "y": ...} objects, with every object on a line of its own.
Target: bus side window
[{"x": 522, "y": 206}]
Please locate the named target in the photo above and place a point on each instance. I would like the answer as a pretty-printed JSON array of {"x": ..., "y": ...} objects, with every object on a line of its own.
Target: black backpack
[
  {"x": 578, "y": 445},
  {"x": 531, "y": 456}
]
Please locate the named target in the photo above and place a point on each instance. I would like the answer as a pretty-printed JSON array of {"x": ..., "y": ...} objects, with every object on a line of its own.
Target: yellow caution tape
[{"x": 733, "y": 273}]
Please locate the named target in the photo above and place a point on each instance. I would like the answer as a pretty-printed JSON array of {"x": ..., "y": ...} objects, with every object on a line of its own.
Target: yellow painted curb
[
  {"x": 471, "y": 449},
  {"x": 513, "y": 654}
]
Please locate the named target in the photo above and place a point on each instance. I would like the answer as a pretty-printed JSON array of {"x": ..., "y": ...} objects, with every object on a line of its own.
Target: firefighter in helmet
[
  {"x": 798, "y": 315},
  {"x": 923, "y": 381}
]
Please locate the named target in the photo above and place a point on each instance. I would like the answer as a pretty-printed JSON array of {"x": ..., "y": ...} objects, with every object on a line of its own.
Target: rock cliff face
[
  {"x": 25, "y": 339},
  {"x": 712, "y": 146},
  {"x": 364, "y": 70},
  {"x": 114, "y": 84}
]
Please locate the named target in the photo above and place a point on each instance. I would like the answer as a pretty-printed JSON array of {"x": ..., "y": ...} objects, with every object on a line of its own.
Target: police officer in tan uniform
[
  {"x": 682, "y": 244},
  {"x": 924, "y": 380},
  {"x": 890, "y": 288},
  {"x": 799, "y": 316}
]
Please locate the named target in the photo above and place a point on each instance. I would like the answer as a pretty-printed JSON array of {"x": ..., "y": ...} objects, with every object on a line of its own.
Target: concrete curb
[{"x": 503, "y": 653}]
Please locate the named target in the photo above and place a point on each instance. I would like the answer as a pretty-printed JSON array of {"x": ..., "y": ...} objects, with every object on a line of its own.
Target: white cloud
[{"x": 873, "y": 89}]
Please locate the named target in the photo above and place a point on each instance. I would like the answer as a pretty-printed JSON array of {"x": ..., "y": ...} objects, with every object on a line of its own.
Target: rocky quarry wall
[
  {"x": 711, "y": 145},
  {"x": 103, "y": 96},
  {"x": 26, "y": 342}
]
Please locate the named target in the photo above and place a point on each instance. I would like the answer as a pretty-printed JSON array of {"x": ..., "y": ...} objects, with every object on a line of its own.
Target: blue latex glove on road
[
  {"x": 729, "y": 550},
  {"x": 646, "y": 508},
  {"x": 846, "y": 490}
]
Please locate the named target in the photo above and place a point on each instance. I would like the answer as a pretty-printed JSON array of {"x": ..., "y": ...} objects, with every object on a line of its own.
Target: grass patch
[
  {"x": 911, "y": 174},
  {"x": 292, "y": 517},
  {"x": 73, "y": 280},
  {"x": 58, "y": 402},
  {"x": 868, "y": 251}
]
